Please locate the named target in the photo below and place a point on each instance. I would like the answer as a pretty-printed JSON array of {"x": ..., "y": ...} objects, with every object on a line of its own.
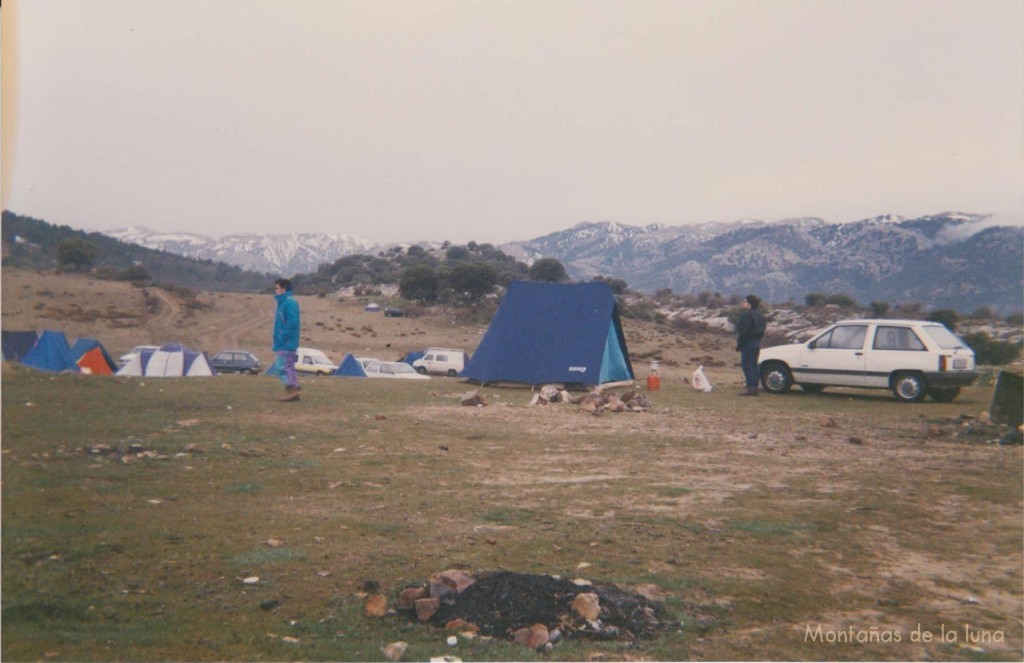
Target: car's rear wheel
[
  {"x": 421, "y": 370},
  {"x": 908, "y": 387},
  {"x": 452, "y": 372},
  {"x": 776, "y": 378},
  {"x": 944, "y": 394}
]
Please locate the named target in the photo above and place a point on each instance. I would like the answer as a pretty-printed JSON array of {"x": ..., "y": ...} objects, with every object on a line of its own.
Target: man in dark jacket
[
  {"x": 749, "y": 332},
  {"x": 286, "y": 338}
]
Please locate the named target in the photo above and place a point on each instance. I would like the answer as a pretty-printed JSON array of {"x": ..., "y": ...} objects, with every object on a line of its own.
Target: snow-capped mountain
[
  {"x": 287, "y": 254},
  {"x": 952, "y": 259}
]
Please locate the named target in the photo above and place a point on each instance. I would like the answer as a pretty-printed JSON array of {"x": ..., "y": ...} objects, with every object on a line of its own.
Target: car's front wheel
[
  {"x": 944, "y": 394},
  {"x": 908, "y": 387},
  {"x": 776, "y": 378},
  {"x": 421, "y": 370}
]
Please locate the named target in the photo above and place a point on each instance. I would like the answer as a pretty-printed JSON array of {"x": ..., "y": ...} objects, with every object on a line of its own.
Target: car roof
[{"x": 888, "y": 321}]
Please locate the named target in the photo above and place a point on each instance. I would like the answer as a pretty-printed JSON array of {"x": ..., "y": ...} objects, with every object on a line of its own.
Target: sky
[{"x": 502, "y": 120}]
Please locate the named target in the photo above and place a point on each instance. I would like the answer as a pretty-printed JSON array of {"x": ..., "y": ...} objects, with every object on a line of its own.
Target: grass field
[{"x": 838, "y": 526}]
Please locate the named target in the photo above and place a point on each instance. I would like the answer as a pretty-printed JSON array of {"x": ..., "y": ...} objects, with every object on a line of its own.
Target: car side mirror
[{"x": 812, "y": 345}]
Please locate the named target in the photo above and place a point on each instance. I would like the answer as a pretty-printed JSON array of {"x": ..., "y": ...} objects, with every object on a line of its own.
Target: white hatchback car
[
  {"x": 913, "y": 358},
  {"x": 392, "y": 369}
]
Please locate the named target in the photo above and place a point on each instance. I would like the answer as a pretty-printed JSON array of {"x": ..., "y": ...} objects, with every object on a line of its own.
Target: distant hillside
[
  {"x": 29, "y": 242},
  {"x": 952, "y": 260}
]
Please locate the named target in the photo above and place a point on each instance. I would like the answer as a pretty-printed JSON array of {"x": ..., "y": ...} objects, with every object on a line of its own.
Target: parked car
[
  {"x": 393, "y": 312},
  {"x": 392, "y": 369},
  {"x": 441, "y": 361},
  {"x": 236, "y": 361},
  {"x": 311, "y": 360},
  {"x": 137, "y": 350},
  {"x": 363, "y": 361},
  {"x": 913, "y": 358}
]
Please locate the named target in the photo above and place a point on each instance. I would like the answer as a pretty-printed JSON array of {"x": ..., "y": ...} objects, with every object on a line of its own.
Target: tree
[
  {"x": 419, "y": 283},
  {"x": 457, "y": 253},
  {"x": 548, "y": 270},
  {"x": 472, "y": 280},
  {"x": 618, "y": 286},
  {"x": 816, "y": 299},
  {"x": 76, "y": 254},
  {"x": 946, "y": 316},
  {"x": 879, "y": 309}
]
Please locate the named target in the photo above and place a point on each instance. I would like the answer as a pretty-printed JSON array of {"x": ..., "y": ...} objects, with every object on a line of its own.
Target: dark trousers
[{"x": 750, "y": 350}]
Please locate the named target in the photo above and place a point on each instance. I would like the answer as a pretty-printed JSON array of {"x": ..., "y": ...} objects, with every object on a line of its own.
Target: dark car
[
  {"x": 236, "y": 361},
  {"x": 392, "y": 312}
]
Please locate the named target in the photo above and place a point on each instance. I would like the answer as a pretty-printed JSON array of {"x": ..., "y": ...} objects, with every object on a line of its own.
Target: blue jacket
[{"x": 286, "y": 323}]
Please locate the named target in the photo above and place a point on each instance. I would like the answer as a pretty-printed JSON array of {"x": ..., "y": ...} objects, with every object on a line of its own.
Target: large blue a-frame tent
[
  {"x": 51, "y": 353},
  {"x": 553, "y": 333}
]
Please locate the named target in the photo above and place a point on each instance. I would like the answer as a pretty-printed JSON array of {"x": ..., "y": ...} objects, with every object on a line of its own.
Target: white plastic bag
[{"x": 700, "y": 381}]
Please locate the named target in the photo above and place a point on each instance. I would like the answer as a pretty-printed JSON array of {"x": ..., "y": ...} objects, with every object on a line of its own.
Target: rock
[
  {"x": 549, "y": 392},
  {"x": 425, "y": 608},
  {"x": 376, "y": 605},
  {"x": 455, "y": 578},
  {"x": 452, "y": 640},
  {"x": 829, "y": 422},
  {"x": 855, "y": 440},
  {"x": 407, "y": 597},
  {"x": 395, "y": 650},
  {"x": 534, "y": 637},
  {"x": 473, "y": 398},
  {"x": 267, "y": 606},
  {"x": 587, "y": 606},
  {"x": 462, "y": 626}
]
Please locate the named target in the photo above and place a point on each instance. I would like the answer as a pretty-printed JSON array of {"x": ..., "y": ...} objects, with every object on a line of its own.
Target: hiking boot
[{"x": 290, "y": 394}]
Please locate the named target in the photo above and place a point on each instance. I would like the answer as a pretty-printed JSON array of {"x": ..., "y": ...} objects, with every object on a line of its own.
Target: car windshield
[{"x": 946, "y": 339}]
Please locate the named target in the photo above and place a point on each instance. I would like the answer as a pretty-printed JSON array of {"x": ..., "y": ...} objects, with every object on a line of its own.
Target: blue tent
[
  {"x": 349, "y": 368},
  {"x": 412, "y": 356},
  {"x": 51, "y": 353},
  {"x": 551, "y": 332},
  {"x": 17, "y": 344}
]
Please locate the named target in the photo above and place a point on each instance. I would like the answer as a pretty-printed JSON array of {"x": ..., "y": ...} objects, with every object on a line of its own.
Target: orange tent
[{"x": 94, "y": 362}]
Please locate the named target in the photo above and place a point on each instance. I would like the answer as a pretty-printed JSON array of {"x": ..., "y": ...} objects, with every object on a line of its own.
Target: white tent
[{"x": 172, "y": 360}]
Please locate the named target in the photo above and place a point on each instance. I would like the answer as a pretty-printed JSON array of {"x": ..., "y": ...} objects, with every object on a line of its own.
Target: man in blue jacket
[{"x": 286, "y": 337}]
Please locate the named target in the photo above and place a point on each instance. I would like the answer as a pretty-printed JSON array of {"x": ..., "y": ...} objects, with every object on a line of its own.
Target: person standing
[
  {"x": 749, "y": 332},
  {"x": 286, "y": 338}
]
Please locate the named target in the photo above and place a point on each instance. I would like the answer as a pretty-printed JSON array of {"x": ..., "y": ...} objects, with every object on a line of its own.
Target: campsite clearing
[{"x": 134, "y": 510}]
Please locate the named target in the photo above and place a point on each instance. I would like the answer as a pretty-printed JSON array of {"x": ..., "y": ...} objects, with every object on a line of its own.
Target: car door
[
  {"x": 834, "y": 358},
  {"x": 894, "y": 347}
]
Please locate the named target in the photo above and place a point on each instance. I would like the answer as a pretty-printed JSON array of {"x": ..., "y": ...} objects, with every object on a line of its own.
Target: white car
[
  {"x": 392, "y": 369},
  {"x": 310, "y": 360},
  {"x": 441, "y": 361},
  {"x": 913, "y": 358}
]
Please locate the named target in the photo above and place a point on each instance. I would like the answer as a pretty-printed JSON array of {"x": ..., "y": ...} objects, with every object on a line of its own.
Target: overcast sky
[{"x": 495, "y": 120}]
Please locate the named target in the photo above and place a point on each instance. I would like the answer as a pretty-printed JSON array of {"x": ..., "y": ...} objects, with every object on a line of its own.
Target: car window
[
  {"x": 442, "y": 357},
  {"x": 386, "y": 368},
  {"x": 372, "y": 367},
  {"x": 896, "y": 338},
  {"x": 946, "y": 339},
  {"x": 429, "y": 358},
  {"x": 847, "y": 337}
]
